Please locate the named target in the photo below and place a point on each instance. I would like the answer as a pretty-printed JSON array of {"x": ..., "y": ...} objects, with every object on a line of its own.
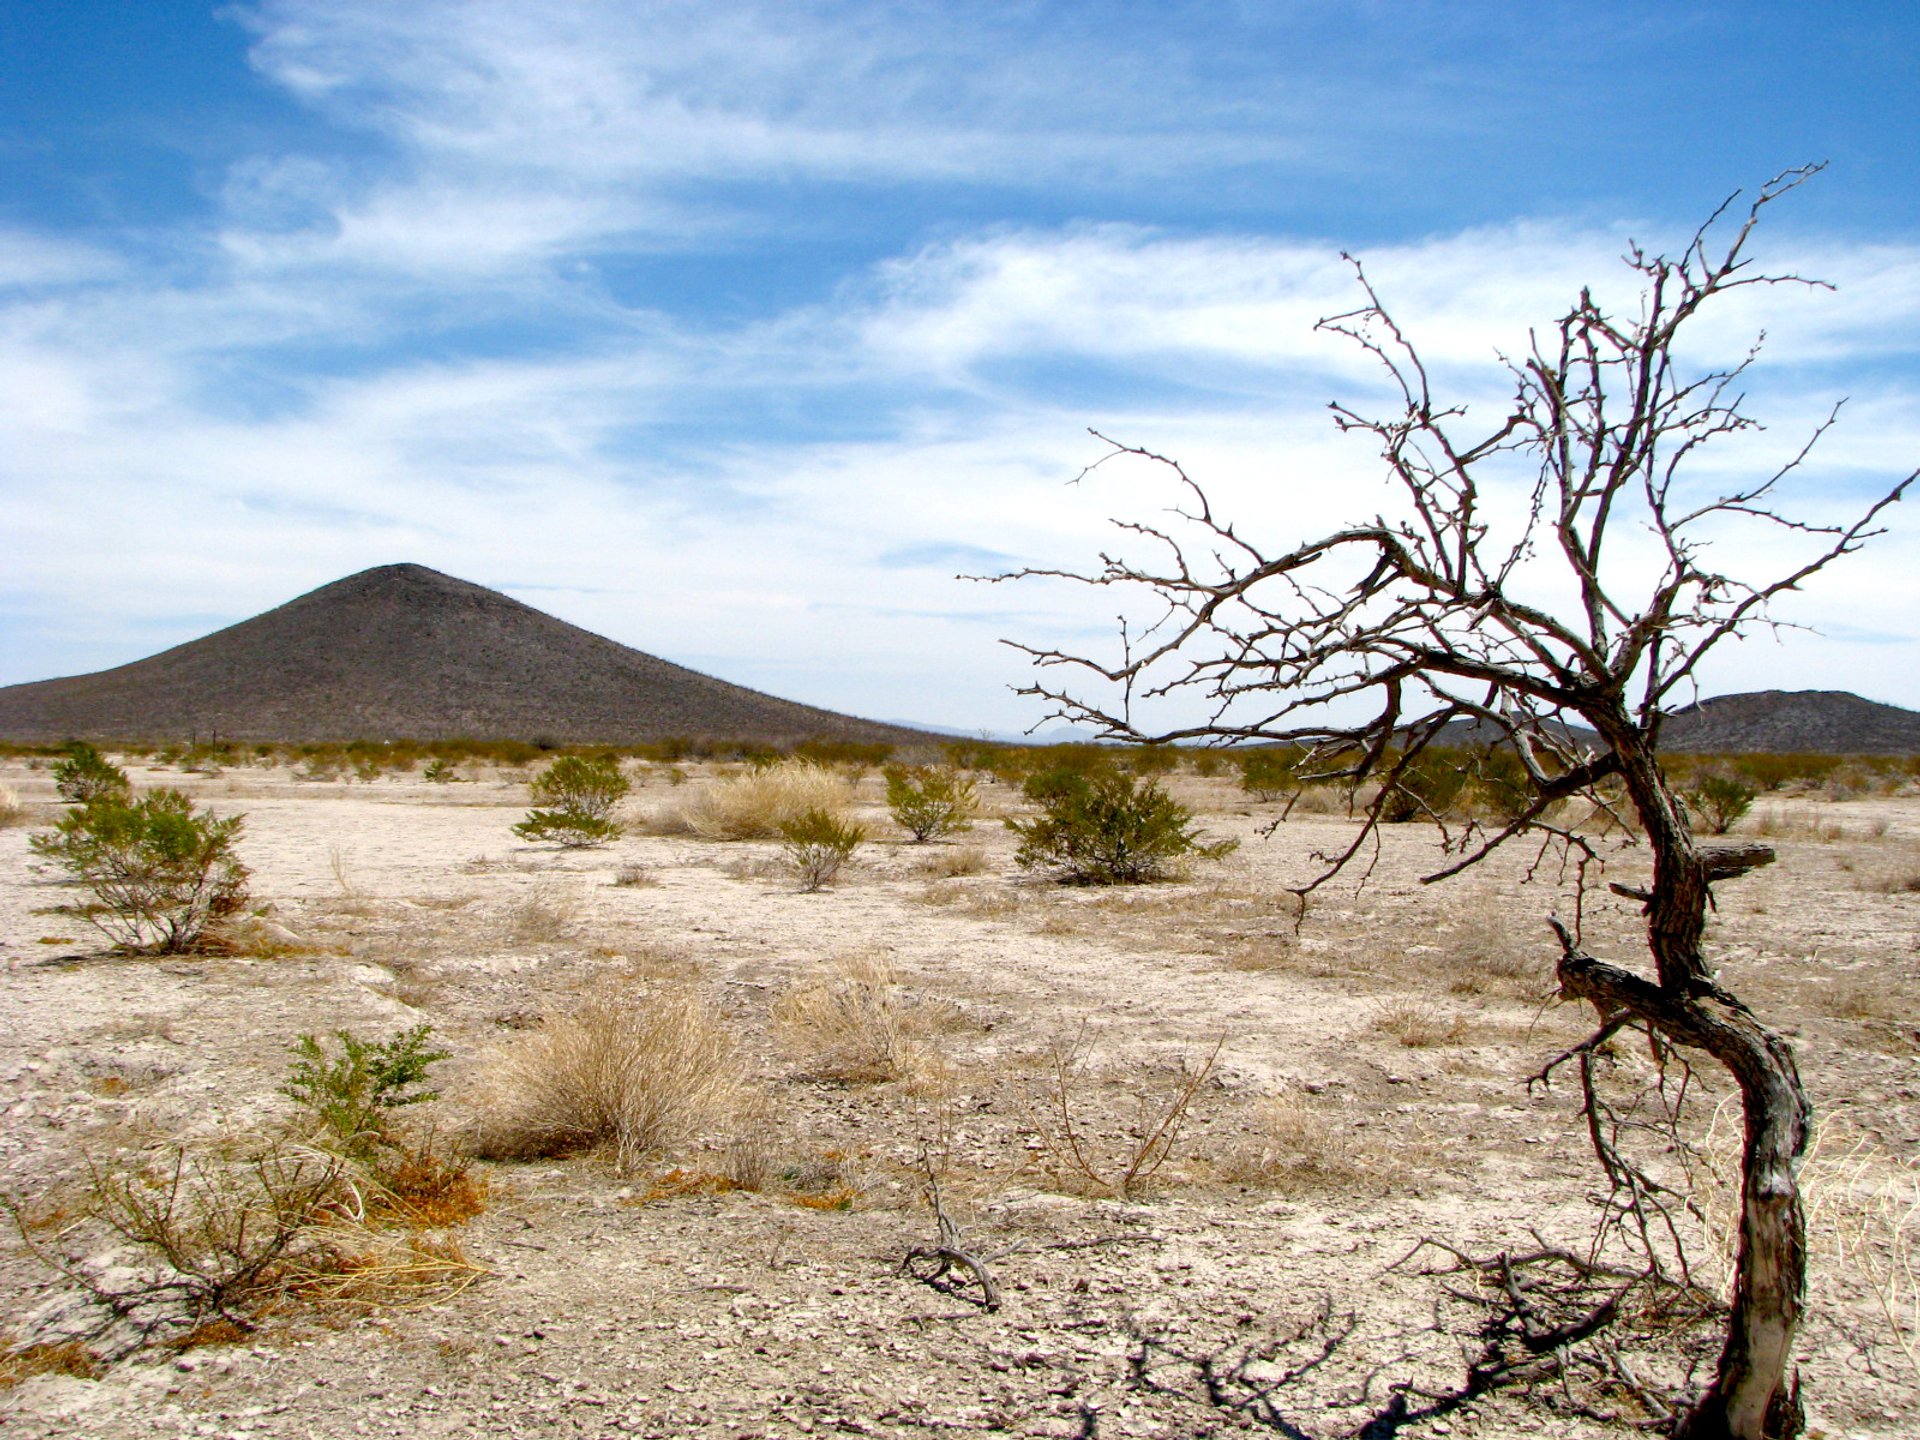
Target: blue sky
[{"x": 734, "y": 331}]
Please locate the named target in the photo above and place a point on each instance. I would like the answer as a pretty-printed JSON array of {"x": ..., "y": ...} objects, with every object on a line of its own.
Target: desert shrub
[
  {"x": 1152, "y": 759},
  {"x": 1267, "y": 774},
  {"x": 1418, "y": 1024},
  {"x": 1718, "y": 800},
  {"x": 352, "y": 1094},
  {"x": 218, "y": 1235},
  {"x": 856, "y": 1023},
  {"x": 947, "y": 862},
  {"x": 856, "y": 755},
  {"x": 1074, "y": 1151},
  {"x": 160, "y": 871},
  {"x": 1424, "y": 789},
  {"x": 1767, "y": 771},
  {"x": 1291, "y": 1147},
  {"x": 440, "y": 771},
  {"x": 1501, "y": 785},
  {"x": 84, "y": 775},
  {"x": 573, "y": 801},
  {"x": 638, "y": 1074},
  {"x": 755, "y": 805},
  {"x": 971, "y": 754},
  {"x": 1108, "y": 828},
  {"x": 544, "y": 915},
  {"x": 12, "y": 812},
  {"x": 817, "y": 846},
  {"x": 929, "y": 801}
]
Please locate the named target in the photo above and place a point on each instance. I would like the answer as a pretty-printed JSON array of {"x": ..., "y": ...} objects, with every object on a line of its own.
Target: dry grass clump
[
  {"x": 19, "y": 1363},
  {"x": 949, "y": 862},
  {"x": 637, "y": 1073},
  {"x": 1418, "y": 1024},
  {"x": 1894, "y": 874},
  {"x": 12, "y": 812},
  {"x": 855, "y": 1022},
  {"x": 1482, "y": 953},
  {"x": 1782, "y": 822},
  {"x": 1293, "y": 1149},
  {"x": 755, "y": 806},
  {"x": 545, "y": 915}
]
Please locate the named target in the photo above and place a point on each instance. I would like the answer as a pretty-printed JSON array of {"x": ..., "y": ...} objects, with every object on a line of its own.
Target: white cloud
[{"x": 365, "y": 359}]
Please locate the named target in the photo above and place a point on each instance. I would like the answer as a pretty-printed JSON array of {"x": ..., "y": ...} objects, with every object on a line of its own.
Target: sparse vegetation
[
  {"x": 352, "y": 1093},
  {"x": 160, "y": 872},
  {"x": 948, "y": 862},
  {"x": 1083, "y": 1154},
  {"x": 573, "y": 801},
  {"x": 636, "y": 1073},
  {"x": 1418, "y": 1024},
  {"x": 1718, "y": 801},
  {"x": 855, "y": 1022},
  {"x": 754, "y": 806},
  {"x": 84, "y": 775},
  {"x": 931, "y": 801},
  {"x": 1267, "y": 773},
  {"x": 818, "y": 845},
  {"x": 1107, "y": 829}
]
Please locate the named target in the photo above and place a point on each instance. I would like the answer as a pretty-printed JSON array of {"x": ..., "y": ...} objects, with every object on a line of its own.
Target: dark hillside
[
  {"x": 1783, "y": 722},
  {"x": 404, "y": 652}
]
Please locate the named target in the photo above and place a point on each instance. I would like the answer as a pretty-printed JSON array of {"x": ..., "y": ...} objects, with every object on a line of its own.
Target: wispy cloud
[{"x": 444, "y": 324}]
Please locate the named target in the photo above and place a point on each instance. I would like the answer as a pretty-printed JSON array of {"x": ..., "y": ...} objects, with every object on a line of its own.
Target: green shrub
[
  {"x": 1152, "y": 760},
  {"x": 1107, "y": 828},
  {"x": 1501, "y": 783},
  {"x": 817, "y": 844},
  {"x": 1424, "y": 790},
  {"x": 439, "y": 771},
  {"x": 1267, "y": 774},
  {"x": 929, "y": 801},
  {"x": 573, "y": 800},
  {"x": 84, "y": 775},
  {"x": 351, "y": 1094},
  {"x": 1718, "y": 800},
  {"x": 160, "y": 871}
]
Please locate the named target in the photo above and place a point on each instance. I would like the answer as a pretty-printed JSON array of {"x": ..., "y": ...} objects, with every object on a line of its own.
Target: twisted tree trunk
[{"x": 1755, "y": 1393}]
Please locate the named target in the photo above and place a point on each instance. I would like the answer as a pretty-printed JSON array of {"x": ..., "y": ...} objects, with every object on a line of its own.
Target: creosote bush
[
  {"x": 1267, "y": 774},
  {"x": 160, "y": 871},
  {"x": 1107, "y": 828},
  {"x": 636, "y": 1073},
  {"x": 573, "y": 801},
  {"x": 1718, "y": 801},
  {"x": 84, "y": 775},
  {"x": 817, "y": 846},
  {"x": 931, "y": 801},
  {"x": 352, "y": 1094}
]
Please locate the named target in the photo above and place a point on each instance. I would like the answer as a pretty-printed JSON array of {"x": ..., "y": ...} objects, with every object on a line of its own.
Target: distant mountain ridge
[
  {"x": 405, "y": 652},
  {"x": 1779, "y": 722},
  {"x": 1825, "y": 722}
]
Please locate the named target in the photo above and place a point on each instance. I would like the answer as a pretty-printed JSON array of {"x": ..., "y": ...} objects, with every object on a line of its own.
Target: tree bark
[{"x": 1755, "y": 1395}]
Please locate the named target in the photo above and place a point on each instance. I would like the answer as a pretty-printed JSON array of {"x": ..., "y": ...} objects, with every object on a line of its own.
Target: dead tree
[{"x": 1506, "y": 589}]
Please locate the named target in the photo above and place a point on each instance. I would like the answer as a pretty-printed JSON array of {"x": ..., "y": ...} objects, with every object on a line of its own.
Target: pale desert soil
[{"x": 1318, "y": 1155}]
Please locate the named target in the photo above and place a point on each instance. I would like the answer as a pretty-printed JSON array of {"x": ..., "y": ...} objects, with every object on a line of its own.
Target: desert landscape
[{"x": 1221, "y": 1164}]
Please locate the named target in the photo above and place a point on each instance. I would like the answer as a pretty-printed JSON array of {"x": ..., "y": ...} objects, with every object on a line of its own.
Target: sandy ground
[{"x": 1369, "y": 1092}]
